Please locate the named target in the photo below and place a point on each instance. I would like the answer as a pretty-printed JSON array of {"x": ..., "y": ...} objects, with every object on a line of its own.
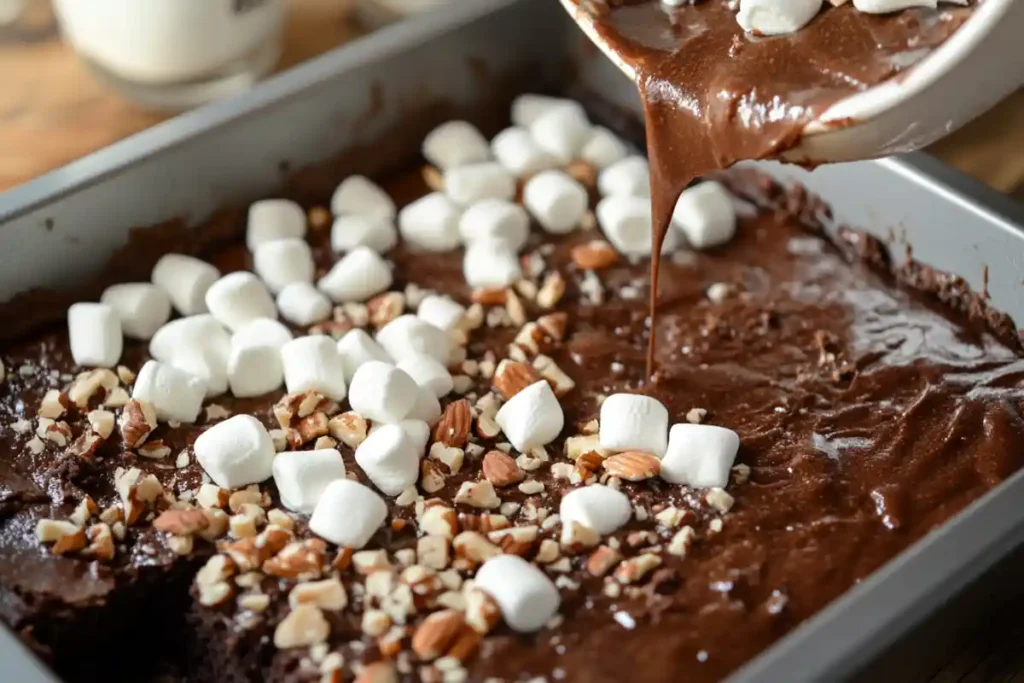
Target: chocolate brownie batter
[
  {"x": 714, "y": 95},
  {"x": 868, "y": 413}
]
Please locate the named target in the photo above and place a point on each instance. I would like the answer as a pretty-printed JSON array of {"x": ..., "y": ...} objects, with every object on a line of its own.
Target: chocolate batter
[{"x": 714, "y": 95}]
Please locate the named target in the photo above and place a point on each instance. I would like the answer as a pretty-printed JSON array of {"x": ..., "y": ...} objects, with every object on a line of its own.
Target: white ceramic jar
[{"x": 175, "y": 52}]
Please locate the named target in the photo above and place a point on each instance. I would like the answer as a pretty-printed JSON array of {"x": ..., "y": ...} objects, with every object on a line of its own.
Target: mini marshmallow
[
  {"x": 706, "y": 215},
  {"x": 357, "y": 348},
  {"x": 197, "y": 331},
  {"x": 431, "y": 222},
  {"x": 418, "y": 432},
  {"x": 476, "y": 182},
  {"x": 358, "y": 276},
  {"x": 236, "y": 452},
  {"x": 348, "y": 514},
  {"x": 633, "y": 422},
  {"x": 492, "y": 264},
  {"x": 699, "y": 455},
  {"x": 274, "y": 219},
  {"x": 456, "y": 143},
  {"x": 381, "y": 392},
  {"x": 441, "y": 312},
  {"x": 302, "y": 476},
  {"x": 519, "y": 153},
  {"x": 239, "y": 297},
  {"x": 300, "y": 303},
  {"x": 886, "y": 6},
  {"x": 626, "y": 222},
  {"x": 390, "y": 458},
  {"x": 776, "y": 17},
  {"x": 526, "y": 596},
  {"x": 358, "y": 195},
  {"x": 603, "y": 149},
  {"x": 254, "y": 370},
  {"x": 142, "y": 307},
  {"x": 94, "y": 332},
  {"x": 630, "y": 176},
  {"x": 351, "y": 231},
  {"x": 262, "y": 332},
  {"x": 562, "y": 132},
  {"x": 205, "y": 363},
  {"x": 427, "y": 373},
  {"x": 407, "y": 335},
  {"x": 597, "y": 507},
  {"x": 281, "y": 262},
  {"x": 426, "y": 408},
  {"x": 495, "y": 219},
  {"x": 185, "y": 279},
  {"x": 173, "y": 393},
  {"x": 531, "y": 418},
  {"x": 555, "y": 200},
  {"x": 313, "y": 364},
  {"x": 529, "y": 107}
]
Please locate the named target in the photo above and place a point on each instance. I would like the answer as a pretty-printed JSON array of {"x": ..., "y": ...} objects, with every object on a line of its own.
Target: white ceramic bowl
[{"x": 979, "y": 65}]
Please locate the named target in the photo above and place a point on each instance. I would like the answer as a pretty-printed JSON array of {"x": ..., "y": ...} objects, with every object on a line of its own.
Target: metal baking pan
[{"x": 62, "y": 228}]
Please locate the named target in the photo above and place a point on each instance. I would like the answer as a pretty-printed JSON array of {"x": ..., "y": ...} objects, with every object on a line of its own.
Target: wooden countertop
[{"x": 52, "y": 111}]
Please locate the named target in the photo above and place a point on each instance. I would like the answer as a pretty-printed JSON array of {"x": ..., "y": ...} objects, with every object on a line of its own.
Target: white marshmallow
[
  {"x": 528, "y": 107},
  {"x": 360, "y": 196},
  {"x": 274, "y": 219},
  {"x": 562, "y": 132},
  {"x": 198, "y": 332},
  {"x": 492, "y": 264},
  {"x": 633, "y": 422},
  {"x": 282, "y": 262},
  {"x": 526, "y": 596},
  {"x": 428, "y": 373},
  {"x": 302, "y": 476},
  {"x": 776, "y": 17},
  {"x": 381, "y": 392},
  {"x": 356, "y": 277},
  {"x": 495, "y": 219},
  {"x": 236, "y": 452},
  {"x": 603, "y": 148},
  {"x": 531, "y": 418},
  {"x": 350, "y": 231},
  {"x": 699, "y": 455},
  {"x": 357, "y": 348},
  {"x": 390, "y": 458},
  {"x": 262, "y": 332},
  {"x": 519, "y": 153},
  {"x": 426, "y": 408},
  {"x": 185, "y": 279},
  {"x": 886, "y": 6},
  {"x": 555, "y": 200},
  {"x": 204, "y": 362},
  {"x": 596, "y": 506},
  {"x": 313, "y": 364},
  {"x": 407, "y": 335},
  {"x": 475, "y": 182},
  {"x": 431, "y": 222},
  {"x": 239, "y": 297},
  {"x": 418, "y": 432},
  {"x": 173, "y": 393},
  {"x": 300, "y": 303},
  {"x": 441, "y": 312},
  {"x": 706, "y": 215},
  {"x": 626, "y": 222},
  {"x": 254, "y": 370},
  {"x": 630, "y": 176},
  {"x": 94, "y": 332},
  {"x": 348, "y": 514},
  {"x": 142, "y": 307},
  {"x": 455, "y": 143}
]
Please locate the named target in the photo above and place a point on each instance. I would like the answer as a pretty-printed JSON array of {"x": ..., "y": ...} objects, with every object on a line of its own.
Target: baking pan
[{"x": 62, "y": 228}]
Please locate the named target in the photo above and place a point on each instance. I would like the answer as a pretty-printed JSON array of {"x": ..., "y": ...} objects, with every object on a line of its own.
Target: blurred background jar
[{"x": 175, "y": 54}]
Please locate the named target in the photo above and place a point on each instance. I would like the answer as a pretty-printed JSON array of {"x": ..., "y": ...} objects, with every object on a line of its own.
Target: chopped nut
[
  {"x": 682, "y": 541},
  {"x": 125, "y": 374},
  {"x": 138, "y": 420},
  {"x": 474, "y": 548},
  {"x": 551, "y": 290},
  {"x": 511, "y": 377},
  {"x": 180, "y": 545},
  {"x": 433, "y": 552},
  {"x": 595, "y": 255},
  {"x": 482, "y": 522},
  {"x": 181, "y": 522},
  {"x": 101, "y": 422},
  {"x": 449, "y": 455},
  {"x": 215, "y": 411},
  {"x": 385, "y": 307},
  {"x": 554, "y": 324},
  {"x": 280, "y": 518},
  {"x": 602, "y": 560},
  {"x": 670, "y": 517},
  {"x": 439, "y": 520},
  {"x": 217, "y": 568},
  {"x": 632, "y": 466},
  {"x": 53, "y": 405},
  {"x": 436, "y": 634},
  {"x": 455, "y": 424},
  {"x": 575, "y": 446},
  {"x": 367, "y": 562},
  {"x": 304, "y": 626},
  {"x": 101, "y": 542},
  {"x": 501, "y": 470},
  {"x": 531, "y": 487},
  {"x": 324, "y": 442},
  {"x": 87, "y": 383},
  {"x": 378, "y": 672},
  {"x": 375, "y": 622},
  {"x": 154, "y": 450},
  {"x": 212, "y": 496},
  {"x": 211, "y": 595},
  {"x": 719, "y": 499},
  {"x": 560, "y": 382},
  {"x": 301, "y": 560},
  {"x": 117, "y": 398},
  {"x": 328, "y": 594},
  {"x": 85, "y": 509},
  {"x": 696, "y": 415},
  {"x": 217, "y": 524},
  {"x": 576, "y": 537},
  {"x": 431, "y": 478},
  {"x": 478, "y": 494},
  {"x": 635, "y": 568},
  {"x": 548, "y": 552},
  {"x": 70, "y": 542},
  {"x": 254, "y": 602},
  {"x": 741, "y": 473},
  {"x": 248, "y": 496}
]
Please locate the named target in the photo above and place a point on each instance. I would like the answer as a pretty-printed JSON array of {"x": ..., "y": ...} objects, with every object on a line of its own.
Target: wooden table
[{"x": 52, "y": 111}]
